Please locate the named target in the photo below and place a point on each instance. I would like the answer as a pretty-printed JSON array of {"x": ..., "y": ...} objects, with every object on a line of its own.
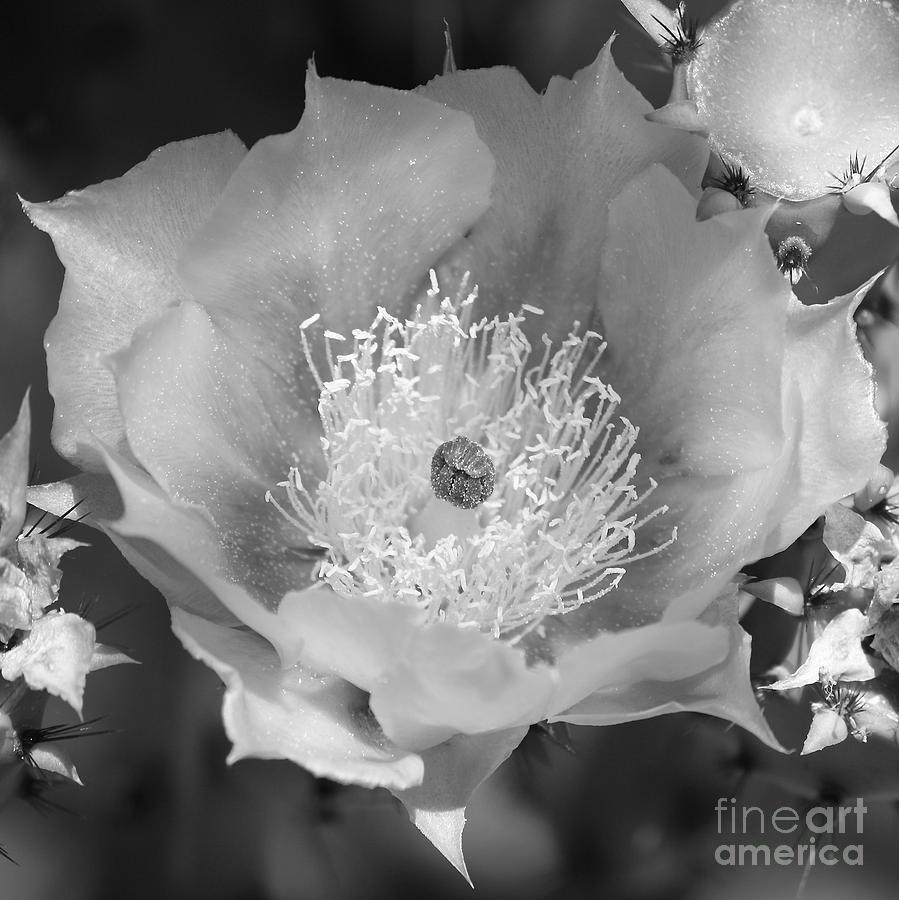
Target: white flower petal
[
  {"x": 872, "y": 196},
  {"x": 319, "y": 722},
  {"x": 854, "y": 542},
  {"x": 119, "y": 241},
  {"x": 55, "y": 656},
  {"x": 51, "y": 758},
  {"x": 453, "y": 770},
  {"x": 828, "y": 728},
  {"x": 838, "y": 653}
]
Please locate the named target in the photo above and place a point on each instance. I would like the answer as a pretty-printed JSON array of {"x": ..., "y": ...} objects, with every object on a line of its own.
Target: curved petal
[
  {"x": 118, "y": 241},
  {"x": 373, "y": 645},
  {"x": 345, "y": 213},
  {"x": 99, "y": 496},
  {"x": 693, "y": 313},
  {"x": 427, "y": 682},
  {"x": 723, "y": 689},
  {"x": 219, "y": 430},
  {"x": 871, "y": 196},
  {"x": 430, "y": 682},
  {"x": 321, "y": 723},
  {"x": 561, "y": 157},
  {"x": 103, "y": 500},
  {"x": 176, "y": 548},
  {"x": 766, "y": 448},
  {"x": 453, "y": 771},
  {"x": 664, "y": 652},
  {"x": 835, "y": 438}
]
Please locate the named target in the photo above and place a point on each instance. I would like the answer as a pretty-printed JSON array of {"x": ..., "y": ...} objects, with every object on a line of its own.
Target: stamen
[{"x": 441, "y": 404}]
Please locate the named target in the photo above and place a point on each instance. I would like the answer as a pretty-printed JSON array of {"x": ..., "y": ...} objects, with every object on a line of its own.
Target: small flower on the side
[
  {"x": 838, "y": 653},
  {"x": 43, "y": 649},
  {"x": 836, "y": 716},
  {"x": 856, "y": 543}
]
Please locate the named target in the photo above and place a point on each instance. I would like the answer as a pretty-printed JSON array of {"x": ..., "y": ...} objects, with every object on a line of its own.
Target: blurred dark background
[{"x": 90, "y": 89}]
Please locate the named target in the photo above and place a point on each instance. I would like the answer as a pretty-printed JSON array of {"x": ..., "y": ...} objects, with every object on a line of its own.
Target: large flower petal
[
  {"x": 346, "y": 212},
  {"x": 430, "y": 682},
  {"x": 319, "y": 722},
  {"x": 119, "y": 241},
  {"x": 723, "y": 689},
  {"x": 661, "y": 652},
  {"x": 219, "y": 430},
  {"x": 453, "y": 770},
  {"x": 779, "y": 442},
  {"x": 427, "y": 682},
  {"x": 693, "y": 313},
  {"x": 836, "y": 439},
  {"x": 99, "y": 495},
  {"x": 176, "y": 547},
  {"x": 561, "y": 157}
]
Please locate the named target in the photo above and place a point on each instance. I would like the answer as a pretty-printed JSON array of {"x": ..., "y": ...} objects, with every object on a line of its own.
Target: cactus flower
[
  {"x": 43, "y": 649},
  {"x": 442, "y": 415}
]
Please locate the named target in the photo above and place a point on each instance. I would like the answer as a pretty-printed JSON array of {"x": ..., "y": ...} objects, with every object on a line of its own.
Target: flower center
[
  {"x": 461, "y": 473},
  {"x": 441, "y": 410}
]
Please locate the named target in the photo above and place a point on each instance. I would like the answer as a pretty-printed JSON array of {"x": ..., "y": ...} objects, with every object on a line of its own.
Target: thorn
[
  {"x": 43, "y": 516},
  {"x": 736, "y": 182},
  {"x": 449, "y": 60},
  {"x": 60, "y": 518},
  {"x": 63, "y": 732},
  {"x": 680, "y": 44},
  {"x": 114, "y": 617},
  {"x": 68, "y": 526}
]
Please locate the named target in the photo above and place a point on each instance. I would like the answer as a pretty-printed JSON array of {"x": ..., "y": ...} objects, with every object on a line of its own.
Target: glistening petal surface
[
  {"x": 119, "y": 241},
  {"x": 561, "y": 157},
  {"x": 453, "y": 770},
  {"x": 319, "y": 722}
]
